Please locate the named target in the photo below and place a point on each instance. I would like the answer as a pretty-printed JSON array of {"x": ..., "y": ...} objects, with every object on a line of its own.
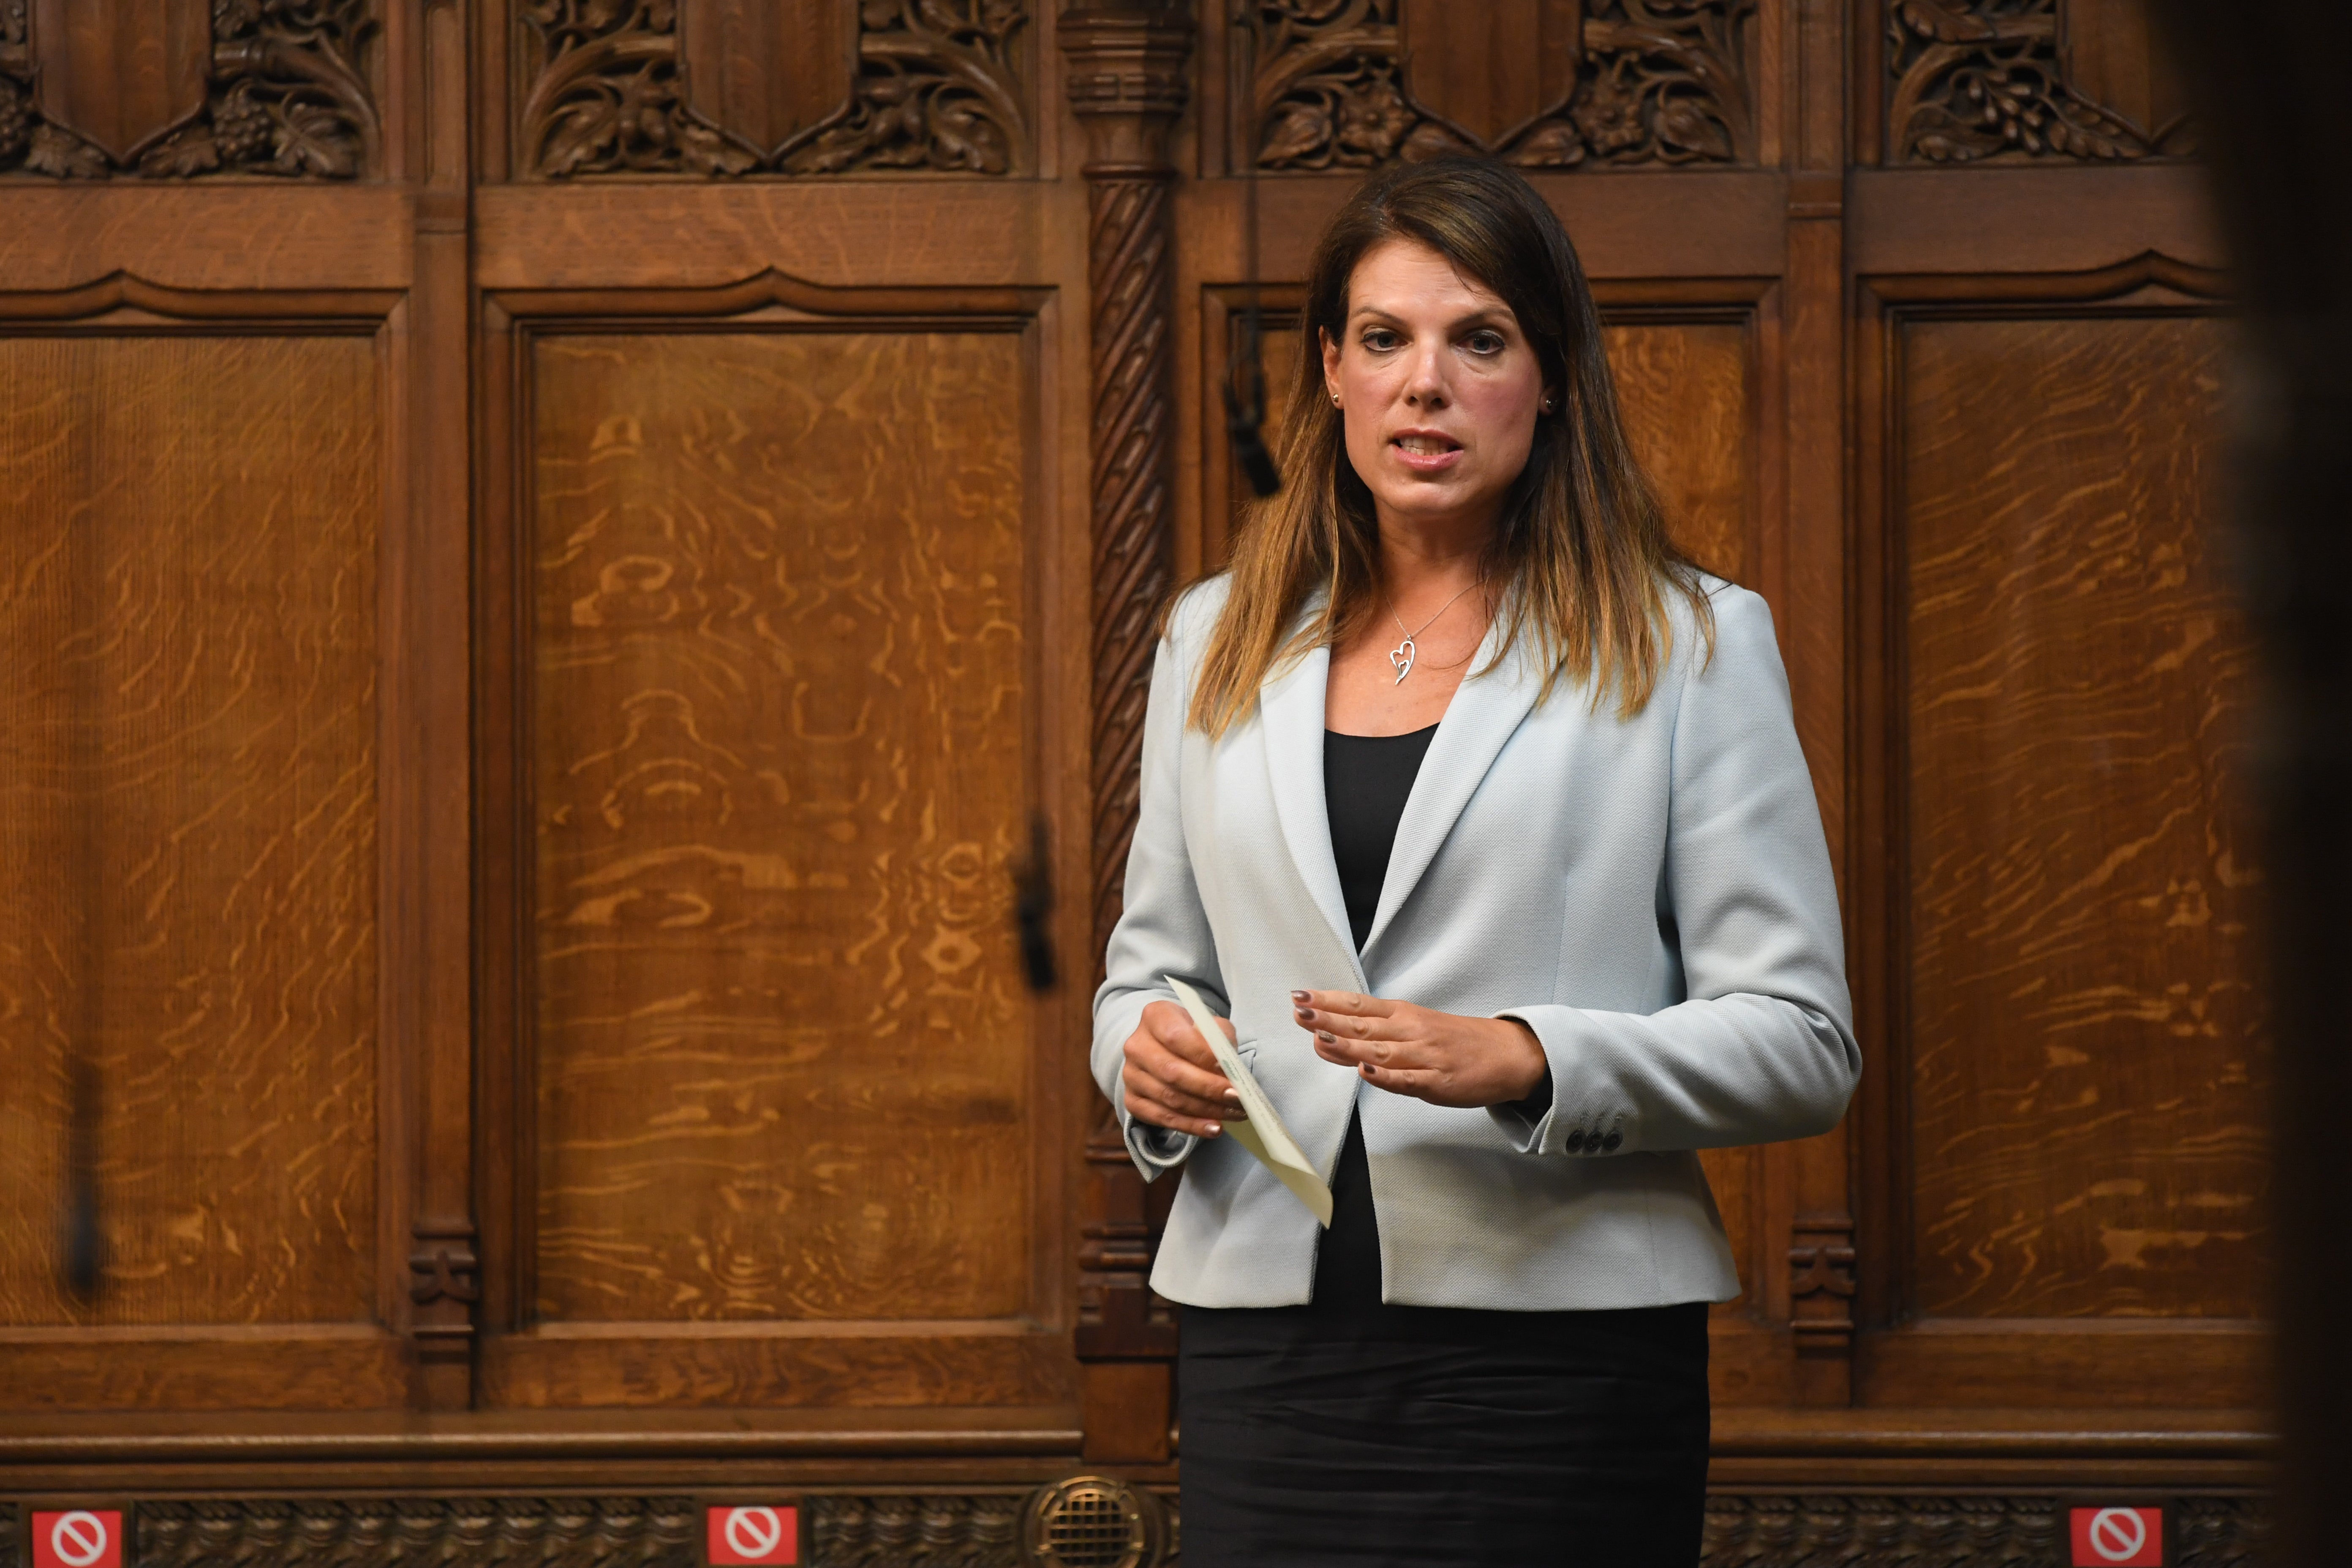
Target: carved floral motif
[
  {"x": 288, "y": 93},
  {"x": 937, "y": 87},
  {"x": 1656, "y": 81},
  {"x": 1972, "y": 79}
]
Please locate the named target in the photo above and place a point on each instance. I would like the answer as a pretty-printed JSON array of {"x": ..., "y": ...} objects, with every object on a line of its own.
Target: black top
[{"x": 1366, "y": 780}]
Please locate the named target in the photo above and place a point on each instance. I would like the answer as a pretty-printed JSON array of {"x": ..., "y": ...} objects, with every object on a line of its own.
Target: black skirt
[{"x": 1351, "y": 1432}]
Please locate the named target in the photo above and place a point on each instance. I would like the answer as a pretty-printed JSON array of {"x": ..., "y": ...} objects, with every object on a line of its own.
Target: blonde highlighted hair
[{"x": 1581, "y": 545}]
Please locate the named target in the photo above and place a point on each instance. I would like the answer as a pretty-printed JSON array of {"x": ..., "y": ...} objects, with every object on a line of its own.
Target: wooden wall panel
[
  {"x": 778, "y": 749},
  {"x": 1684, "y": 387},
  {"x": 187, "y": 821},
  {"x": 2087, "y": 1048}
]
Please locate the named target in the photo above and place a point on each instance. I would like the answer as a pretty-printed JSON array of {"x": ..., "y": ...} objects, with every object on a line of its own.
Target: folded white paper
[{"x": 1262, "y": 1133}]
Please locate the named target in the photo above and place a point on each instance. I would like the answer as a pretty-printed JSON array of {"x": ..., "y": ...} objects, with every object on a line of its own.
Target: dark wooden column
[
  {"x": 1127, "y": 84},
  {"x": 435, "y": 772}
]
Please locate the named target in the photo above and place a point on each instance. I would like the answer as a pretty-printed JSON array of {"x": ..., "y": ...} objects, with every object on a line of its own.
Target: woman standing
[{"x": 1482, "y": 814}]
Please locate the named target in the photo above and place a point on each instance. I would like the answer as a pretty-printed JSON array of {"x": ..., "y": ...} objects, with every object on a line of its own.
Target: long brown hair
[{"x": 1581, "y": 544}]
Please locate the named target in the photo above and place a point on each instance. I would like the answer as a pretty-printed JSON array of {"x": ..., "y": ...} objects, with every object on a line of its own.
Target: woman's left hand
[{"x": 1442, "y": 1058}]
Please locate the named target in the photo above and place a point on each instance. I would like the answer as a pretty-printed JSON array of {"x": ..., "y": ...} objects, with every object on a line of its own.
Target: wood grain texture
[
  {"x": 276, "y": 1367},
  {"x": 187, "y": 820},
  {"x": 777, "y": 740},
  {"x": 2088, "y": 1057},
  {"x": 1684, "y": 389},
  {"x": 906, "y": 1366}
]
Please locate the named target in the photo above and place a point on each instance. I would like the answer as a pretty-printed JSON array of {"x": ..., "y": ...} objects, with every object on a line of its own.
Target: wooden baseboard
[{"x": 985, "y": 1527}]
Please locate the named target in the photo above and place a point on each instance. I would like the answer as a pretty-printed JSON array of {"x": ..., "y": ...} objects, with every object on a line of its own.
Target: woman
[{"x": 1482, "y": 814}]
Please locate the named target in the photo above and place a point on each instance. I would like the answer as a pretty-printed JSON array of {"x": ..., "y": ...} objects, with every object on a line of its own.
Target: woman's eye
[
  {"x": 1380, "y": 340},
  {"x": 1485, "y": 343}
]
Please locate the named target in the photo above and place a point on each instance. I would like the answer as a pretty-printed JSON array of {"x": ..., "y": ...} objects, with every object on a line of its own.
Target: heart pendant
[{"x": 1402, "y": 656}]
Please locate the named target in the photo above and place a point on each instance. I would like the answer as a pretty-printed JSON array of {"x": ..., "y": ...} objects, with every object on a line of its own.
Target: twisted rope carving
[{"x": 1128, "y": 276}]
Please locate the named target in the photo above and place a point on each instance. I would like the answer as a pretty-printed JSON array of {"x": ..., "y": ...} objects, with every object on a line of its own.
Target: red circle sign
[
  {"x": 2118, "y": 1534},
  {"x": 79, "y": 1539},
  {"x": 754, "y": 1531}
]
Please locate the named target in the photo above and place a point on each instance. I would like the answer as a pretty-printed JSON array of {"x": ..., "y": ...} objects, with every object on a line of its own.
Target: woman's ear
[{"x": 1330, "y": 364}]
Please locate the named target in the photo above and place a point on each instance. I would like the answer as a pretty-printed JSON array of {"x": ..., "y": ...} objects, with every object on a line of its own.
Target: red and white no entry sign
[
  {"x": 78, "y": 1538},
  {"x": 755, "y": 1534},
  {"x": 2117, "y": 1537}
]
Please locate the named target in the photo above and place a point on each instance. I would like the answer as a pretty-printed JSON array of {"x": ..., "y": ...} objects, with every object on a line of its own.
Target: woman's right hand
[{"x": 1171, "y": 1079}]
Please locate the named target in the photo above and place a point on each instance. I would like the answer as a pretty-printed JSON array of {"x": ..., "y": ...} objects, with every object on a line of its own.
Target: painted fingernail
[
  {"x": 1326, "y": 1037},
  {"x": 1214, "y": 1129},
  {"x": 1305, "y": 1015},
  {"x": 1235, "y": 1095},
  {"x": 1302, "y": 997}
]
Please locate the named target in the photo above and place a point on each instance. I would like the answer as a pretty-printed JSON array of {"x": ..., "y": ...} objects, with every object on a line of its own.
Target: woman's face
[{"x": 1437, "y": 385}]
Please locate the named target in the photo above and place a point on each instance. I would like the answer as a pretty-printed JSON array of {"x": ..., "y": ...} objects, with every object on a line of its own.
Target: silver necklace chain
[{"x": 1405, "y": 653}]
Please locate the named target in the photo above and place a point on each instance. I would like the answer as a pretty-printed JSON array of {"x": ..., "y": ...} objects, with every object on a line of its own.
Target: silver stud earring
[{"x": 1334, "y": 400}]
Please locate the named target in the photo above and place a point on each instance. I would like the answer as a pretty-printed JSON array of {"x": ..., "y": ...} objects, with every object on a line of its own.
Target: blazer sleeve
[
  {"x": 1162, "y": 930},
  {"x": 1763, "y": 1048}
]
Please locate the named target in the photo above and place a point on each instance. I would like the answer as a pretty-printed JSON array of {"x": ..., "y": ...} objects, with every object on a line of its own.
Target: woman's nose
[{"x": 1424, "y": 386}]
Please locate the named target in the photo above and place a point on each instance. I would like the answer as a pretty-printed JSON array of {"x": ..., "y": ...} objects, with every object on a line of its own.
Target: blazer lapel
[
  {"x": 1290, "y": 707},
  {"x": 1485, "y": 713}
]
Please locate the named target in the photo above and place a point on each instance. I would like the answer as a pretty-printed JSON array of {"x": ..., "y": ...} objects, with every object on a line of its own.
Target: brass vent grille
[{"x": 1089, "y": 1522}]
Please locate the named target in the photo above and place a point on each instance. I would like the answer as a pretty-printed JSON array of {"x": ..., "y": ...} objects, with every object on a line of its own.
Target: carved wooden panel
[
  {"x": 188, "y": 879},
  {"x": 181, "y": 88},
  {"x": 717, "y": 88},
  {"x": 2019, "y": 79},
  {"x": 1349, "y": 84},
  {"x": 2087, "y": 1053},
  {"x": 778, "y": 784}
]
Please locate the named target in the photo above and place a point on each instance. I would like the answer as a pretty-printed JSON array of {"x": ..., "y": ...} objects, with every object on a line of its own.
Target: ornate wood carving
[
  {"x": 1972, "y": 79},
  {"x": 932, "y": 85},
  {"x": 1820, "y": 1283},
  {"x": 1345, "y": 84},
  {"x": 918, "y": 1530},
  {"x": 983, "y": 1530},
  {"x": 1127, "y": 84},
  {"x": 264, "y": 86},
  {"x": 1954, "y": 1531},
  {"x": 445, "y": 1283},
  {"x": 262, "y": 1533}
]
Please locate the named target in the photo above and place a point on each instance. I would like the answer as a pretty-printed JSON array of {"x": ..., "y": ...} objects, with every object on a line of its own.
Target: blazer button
[
  {"x": 1608, "y": 1144},
  {"x": 1576, "y": 1141}
]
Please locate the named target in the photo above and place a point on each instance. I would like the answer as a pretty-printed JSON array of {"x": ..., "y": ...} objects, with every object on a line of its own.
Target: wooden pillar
[
  {"x": 1810, "y": 578},
  {"x": 433, "y": 778},
  {"x": 1125, "y": 76}
]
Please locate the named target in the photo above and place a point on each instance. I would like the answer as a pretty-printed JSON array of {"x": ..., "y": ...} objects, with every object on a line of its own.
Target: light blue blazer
[{"x": 1651, "y": 896}]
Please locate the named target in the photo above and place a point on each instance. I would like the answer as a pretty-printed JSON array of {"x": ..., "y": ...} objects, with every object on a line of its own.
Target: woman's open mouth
[{"x": 1425, "y": 451}]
